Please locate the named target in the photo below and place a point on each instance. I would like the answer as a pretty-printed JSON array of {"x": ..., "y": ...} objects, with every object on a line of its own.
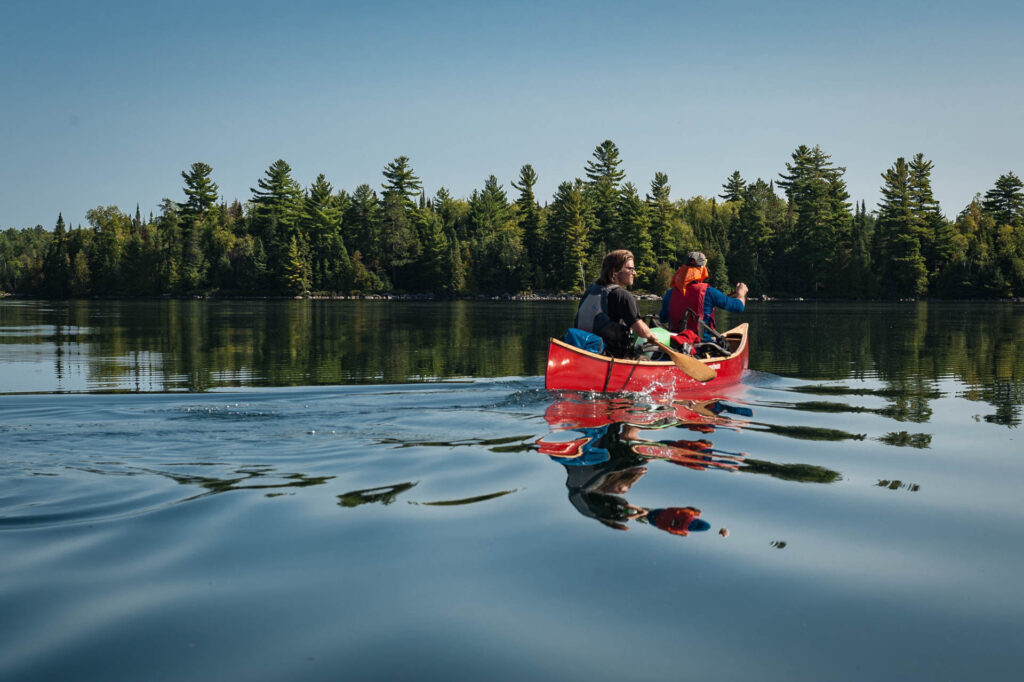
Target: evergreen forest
[{"x": 795, "y": 235}]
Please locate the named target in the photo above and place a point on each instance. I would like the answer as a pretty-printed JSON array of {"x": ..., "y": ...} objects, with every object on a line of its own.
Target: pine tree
[
  {"x": 496, "y": 240},
  {"x": 452, "y": 214},
  {"x": 57, "y": 263},
  {"x": 362, "y": 224},
  {"x": 1005, "y": 201},
  {"x": 818, "y": 199},
  {"x": 401, "y": 183},
  {"x": 110, "y": 230},
  {"x": 604, "y": 175},
  {"x": 936, "y": 233},
  {"x": 401, "y": 246},
  {"x": 861, "y": 275},
  {"x": 197, "y": 227},
  {"x": 295, "y": 269},
  {"x": 635, "y": 228},
  {"x": 752, "y": 236},
  {"x": 277, "y": 205},
  {"x": 530, "y": 224},
  {"x": 898, "y": 230},
  {"x": 321, "y": 223},
  {"x": 671, "y": 235},
  {"x": 200, "y": 191},
  {"x": 435, "y": 272},
  {"x": 733, "y": 188},
  {"x": 569, "y": 236}
]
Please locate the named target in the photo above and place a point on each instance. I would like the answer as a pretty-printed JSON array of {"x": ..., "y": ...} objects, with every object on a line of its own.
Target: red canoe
[{"x": 573, "y": 369}]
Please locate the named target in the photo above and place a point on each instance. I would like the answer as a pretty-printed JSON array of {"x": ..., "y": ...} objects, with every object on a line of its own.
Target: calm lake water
[{"x": 378, "y": 490}]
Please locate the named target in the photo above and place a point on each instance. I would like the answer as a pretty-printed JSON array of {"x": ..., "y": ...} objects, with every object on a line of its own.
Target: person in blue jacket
[{"x": 690, "y": 291}]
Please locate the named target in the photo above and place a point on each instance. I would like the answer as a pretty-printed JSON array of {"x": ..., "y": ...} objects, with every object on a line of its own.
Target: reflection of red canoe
[{"x": 573, "y": 369}]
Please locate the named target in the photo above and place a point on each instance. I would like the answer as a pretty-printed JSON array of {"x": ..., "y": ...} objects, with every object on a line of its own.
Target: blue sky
[{"x": 107, "y": 102}]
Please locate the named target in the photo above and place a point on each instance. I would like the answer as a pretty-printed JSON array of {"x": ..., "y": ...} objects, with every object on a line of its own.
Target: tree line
[{"x": 795, "y": 235}]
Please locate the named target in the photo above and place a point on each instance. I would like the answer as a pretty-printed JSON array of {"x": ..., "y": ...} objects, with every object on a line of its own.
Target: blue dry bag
[{"x": 584, "y": 340}]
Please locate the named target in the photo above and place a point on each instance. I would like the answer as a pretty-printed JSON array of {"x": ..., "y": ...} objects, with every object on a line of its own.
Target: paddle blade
[{"x": 689, "y": 365}]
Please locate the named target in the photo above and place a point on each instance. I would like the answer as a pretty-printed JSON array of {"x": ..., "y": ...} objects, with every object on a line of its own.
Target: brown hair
[{"x": 614, "y": 261}]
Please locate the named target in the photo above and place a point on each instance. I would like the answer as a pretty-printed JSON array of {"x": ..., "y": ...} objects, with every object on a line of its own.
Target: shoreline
[{"x": 430, "y": 297}]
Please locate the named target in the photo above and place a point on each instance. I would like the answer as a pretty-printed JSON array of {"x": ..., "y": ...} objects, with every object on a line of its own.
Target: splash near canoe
[{"x": 573, "y": 369}]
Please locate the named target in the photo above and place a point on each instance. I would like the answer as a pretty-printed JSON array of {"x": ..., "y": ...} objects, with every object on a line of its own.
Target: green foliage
[
  {"x": 635, "y": 230},
  {"x": 759, "y": 216},
  {"x": 56, "y": 270},
  {"x": 321, "y": 223},
  {"x": 296, "y": 269},
  {"x": 110, "y": 232},
  {"x": 569, "y": 227},
  {"x": 671, "y": 236},
  {"x": 496, "y": 240},
  {"x": 289, "y": 240},
  {"x": 812, "y": 247}
]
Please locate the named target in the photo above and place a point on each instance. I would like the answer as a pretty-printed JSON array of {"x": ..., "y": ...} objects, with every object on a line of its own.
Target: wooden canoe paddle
[{"x": 689, "y": 365}]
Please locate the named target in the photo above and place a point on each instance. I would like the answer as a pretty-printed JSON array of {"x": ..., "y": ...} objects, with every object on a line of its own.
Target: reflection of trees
[
  {"x": 809, "y": 432},
  {"x": 387, "y": 494},
  {"x": 898, "y": 485},
  {"x": 384, "y": 495},
  {"x": 200, "y": 345},
  {"x": 803, "y": 473},
  {"x": 909, "y": 440},
  {"x": 253, "y": 478},
  {"x": 908, "y": 346},
  {"x": 504, "y": 444},
  {"x": 467, "y": 500}
]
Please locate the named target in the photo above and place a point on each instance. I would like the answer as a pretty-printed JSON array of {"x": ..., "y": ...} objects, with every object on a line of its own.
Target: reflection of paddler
[
  {"x": 678, "y": 520},
  {"x": 603, "y": 465},
  {"x": 595, "y": 491}
]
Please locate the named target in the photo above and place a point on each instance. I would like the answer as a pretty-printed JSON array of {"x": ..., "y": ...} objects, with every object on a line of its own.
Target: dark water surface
[{"x": 380, "y": 490}]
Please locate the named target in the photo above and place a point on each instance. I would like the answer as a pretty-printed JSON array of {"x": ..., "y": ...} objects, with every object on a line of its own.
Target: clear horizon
[{"x": 108, "y": 102}]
